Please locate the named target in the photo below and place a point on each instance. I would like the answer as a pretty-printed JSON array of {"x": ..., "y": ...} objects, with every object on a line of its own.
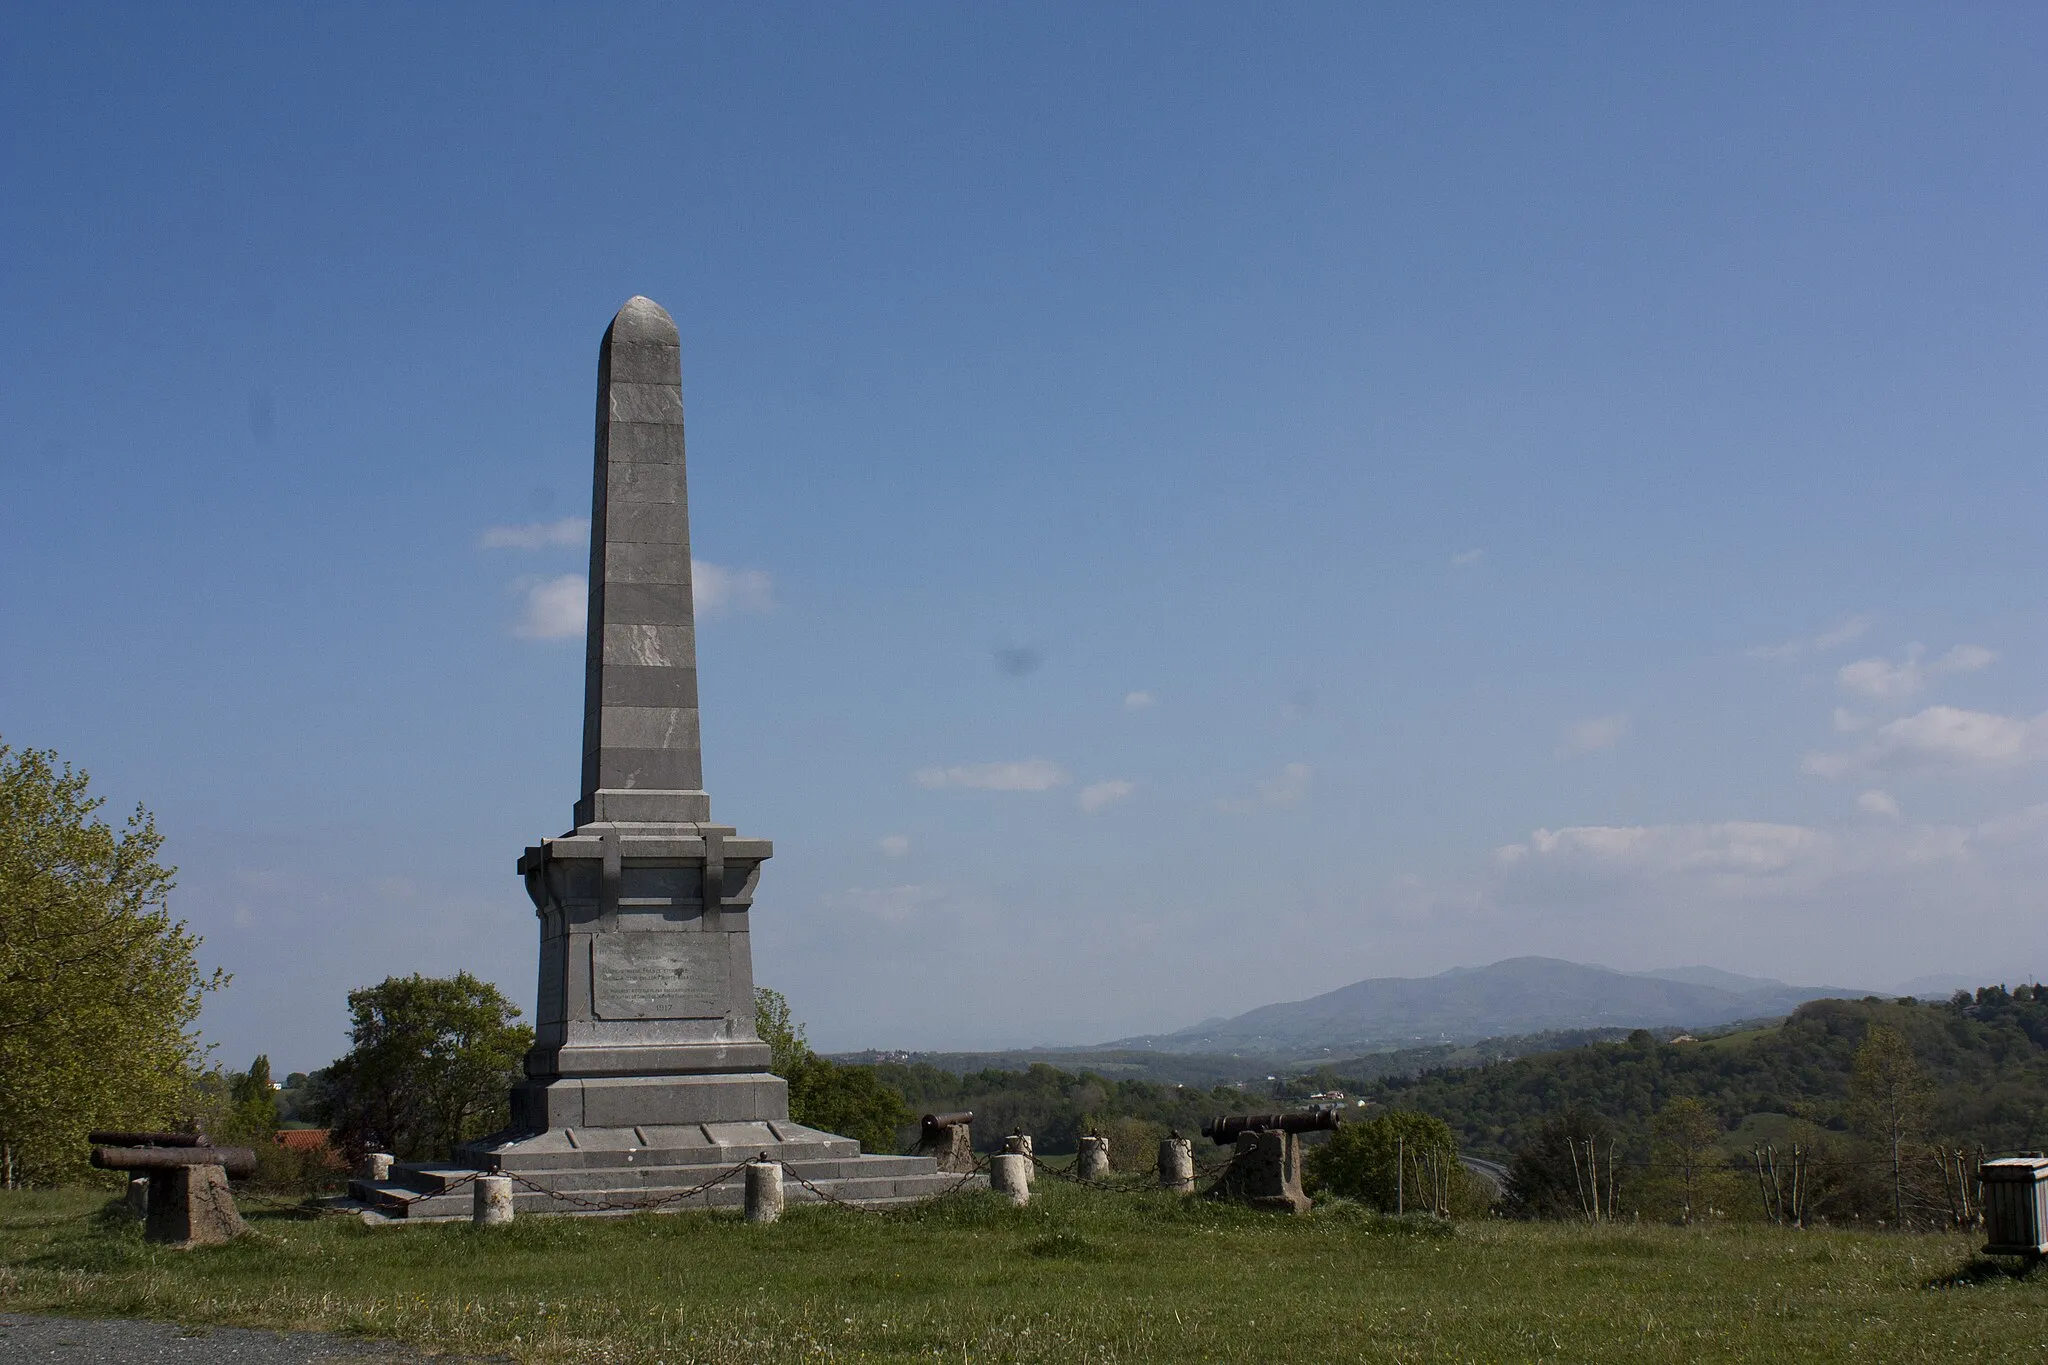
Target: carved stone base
[{"x": 190, "y": 1207}]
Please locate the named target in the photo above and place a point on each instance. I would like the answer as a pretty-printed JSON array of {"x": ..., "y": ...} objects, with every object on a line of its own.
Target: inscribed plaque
[{"x": 658, "y": 976}]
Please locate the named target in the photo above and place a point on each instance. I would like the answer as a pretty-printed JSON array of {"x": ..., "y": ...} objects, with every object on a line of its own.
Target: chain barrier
[{"x": 616, "y": 1206}]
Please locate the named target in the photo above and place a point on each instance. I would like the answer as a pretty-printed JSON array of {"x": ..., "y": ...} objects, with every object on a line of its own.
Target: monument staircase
[{"x": 667, "y": 1169}]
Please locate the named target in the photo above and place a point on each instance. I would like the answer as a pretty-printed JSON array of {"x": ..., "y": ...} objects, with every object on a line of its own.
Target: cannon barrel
[
  {"x": 233, "y": 1160},
  {"x": 1224, "y": 1129},
  {"x": 100, "y": 1137},
  {"x": 933, "y": 1122}
]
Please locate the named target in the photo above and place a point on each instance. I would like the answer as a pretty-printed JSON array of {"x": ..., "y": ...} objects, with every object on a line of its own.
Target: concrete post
[
  {"x": 377, "y": 1165},
  {"x": 1094, "y": 1160},
  {"x": 138, "y": 1196},
  {"x": 493, "y": 1201},
  {"x": 1177, "y": 1165},
  {"x": 1010, "y": 1175},
  {"x": 1019, "y": 1144},
  {"x": 764, "y": 1191}
]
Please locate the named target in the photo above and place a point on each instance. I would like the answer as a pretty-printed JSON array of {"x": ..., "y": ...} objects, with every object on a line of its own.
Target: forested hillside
[{"x": 1986, "y": 1057}]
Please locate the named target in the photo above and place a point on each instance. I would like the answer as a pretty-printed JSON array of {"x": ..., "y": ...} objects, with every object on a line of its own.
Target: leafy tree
[
  {"x": 789, "y": 1051},
  {"x": 852, "y": 1101},
  {"x": 433, "y": 1064},
  {"x": 254, "y": 1114},
  {"x": 1398, "y": 1160},
  {"x": 99, "y": 986},
  {"x": 1571, "y": 1170},
  {"x": 1888, "y": 1097},
  {"x": 1685, "y": 1133}
]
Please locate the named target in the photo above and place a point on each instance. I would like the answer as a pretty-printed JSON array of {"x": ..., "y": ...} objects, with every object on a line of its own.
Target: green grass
[{"x": 1078, "y": 1276}]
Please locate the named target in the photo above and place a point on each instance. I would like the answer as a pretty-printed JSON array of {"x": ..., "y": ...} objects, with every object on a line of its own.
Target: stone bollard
[
  {"x": 377, "y": 1165},
  {"x": 1177, "y": 1165},
  {"x": 1094, "y": 1159},
  {"x": 764, "y": 1191},
  {"x": 1019, "y": 1144},
  {"x": 1010, "y": 1174},
  {"x": 493, "y": 1204},
  {"x": 138, "y": 1196}
]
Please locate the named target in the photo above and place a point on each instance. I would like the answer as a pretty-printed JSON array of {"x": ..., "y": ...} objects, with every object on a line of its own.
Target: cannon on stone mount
[
  {"x": 188, "y": 1202},
  {"x": 1223, "y": 1130}
]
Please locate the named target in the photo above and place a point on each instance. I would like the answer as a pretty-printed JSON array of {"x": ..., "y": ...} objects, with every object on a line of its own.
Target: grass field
[{"x": 1078, "y": 1276}]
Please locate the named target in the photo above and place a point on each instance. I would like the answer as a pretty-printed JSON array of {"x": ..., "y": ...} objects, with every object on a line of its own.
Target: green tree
[
  {"x": 1570, "y": 1170},
  {"x": 432, "y": 1065},
  {"x": 1683, "y": 1137},
  {"x": 1397, "y": 1161},
  {"x": 789, "y": 1052},
  {"x": 852, "y": 1101},
  {"x": 254, "y": 1102},
  {"x": 99, "y": 986},
  {"x": 1888, "y": 1097}
]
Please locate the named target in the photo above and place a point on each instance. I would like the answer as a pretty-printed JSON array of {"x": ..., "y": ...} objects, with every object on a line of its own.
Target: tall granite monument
[{"x": 646, "y": 1073}]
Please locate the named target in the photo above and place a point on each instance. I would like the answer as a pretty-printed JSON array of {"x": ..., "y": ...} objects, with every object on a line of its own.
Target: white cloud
[
  {"x": 1025, "y": 775},
  {"x": 555, "y": 608},
  {"x": 1834, "y": 637},
  {"x": 537, "y": 535},
  {"x": 1878, "y": 802},
  {"x": 1138, "y": 701},
  {"x": 1735, "y": 847},
  {"x": 1883, "y": 680},
  {"x": 1465, "y": 559},
  {"x": 1848, "y": 722},
  {"x": 894, "y": 845},
  {"x": 1941, "y": 739},
  {"x": 1590, "y": 736},
  {"x": 1096, "y": 795},
  {"x": 719, "y": 591}
]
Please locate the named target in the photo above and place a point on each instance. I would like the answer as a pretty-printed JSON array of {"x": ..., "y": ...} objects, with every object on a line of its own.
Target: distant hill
[{"x": 1521, "y": 995}]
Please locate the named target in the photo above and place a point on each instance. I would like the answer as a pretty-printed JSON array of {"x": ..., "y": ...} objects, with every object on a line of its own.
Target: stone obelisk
[
  {"x": 646, "y": 1008},
  {"x": 647, "y": 1086}
]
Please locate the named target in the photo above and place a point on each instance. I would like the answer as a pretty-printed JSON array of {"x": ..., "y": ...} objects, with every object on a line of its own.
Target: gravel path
[{"x": 74, "y": 1341}]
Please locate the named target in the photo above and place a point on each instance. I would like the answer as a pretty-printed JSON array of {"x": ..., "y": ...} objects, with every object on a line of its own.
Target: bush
[{"x": 1395, "y": 1161}]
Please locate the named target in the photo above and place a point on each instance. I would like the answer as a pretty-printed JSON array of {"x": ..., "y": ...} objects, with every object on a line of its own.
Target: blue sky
[{"x": 1206, "y": 503}]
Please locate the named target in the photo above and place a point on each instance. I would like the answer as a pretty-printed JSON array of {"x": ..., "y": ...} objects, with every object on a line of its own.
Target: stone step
[
  {"x": 433, "y": 1177},
  {"x": 396, "y": 1200}
]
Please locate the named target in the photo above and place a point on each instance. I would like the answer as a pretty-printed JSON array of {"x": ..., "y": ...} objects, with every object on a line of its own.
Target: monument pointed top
[{"x": 643, "y": 320}]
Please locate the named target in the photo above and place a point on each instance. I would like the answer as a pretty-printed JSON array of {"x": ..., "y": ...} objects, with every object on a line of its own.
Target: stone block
[
  {"x": 671, "y": 649},
  {"x": 1266, "y": 1173},
  {"x": 628, "y": 684},
  {"x": 660, "y": 402},
  {"x": 646, "y": 523},
  {"x": 1092, "y": 1162},
  {"x": 643, "y": 362},
  {"x": 626, "y": 485},
  {"x": 637, "y": 562},
  {"x": 648, "y": 604},
  {"x": 643, "y": 443},
  {"x": 677, "y": 770},
  {"x": 491, "y": 1205},
  {"x": 191, "y": 1206},
  {"x": 648, "y": 727}
]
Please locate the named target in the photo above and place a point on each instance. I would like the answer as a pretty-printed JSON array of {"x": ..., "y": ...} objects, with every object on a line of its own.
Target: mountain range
[{"x": 1518, "y": 996}]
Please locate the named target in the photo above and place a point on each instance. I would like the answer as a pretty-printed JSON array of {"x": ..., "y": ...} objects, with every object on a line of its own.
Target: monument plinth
[{"x": 646, "y": 1074}]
